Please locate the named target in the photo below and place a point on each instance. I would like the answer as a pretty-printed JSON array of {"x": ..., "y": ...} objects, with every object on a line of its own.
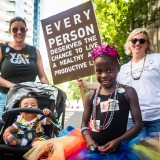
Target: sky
[{"x": 52, "y": 7}]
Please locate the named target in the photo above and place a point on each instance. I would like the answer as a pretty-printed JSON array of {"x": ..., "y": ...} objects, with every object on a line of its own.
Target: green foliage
[
  {"x": 116, "y": 19},
  {"x": 111, "y": 18},
  {"x": 74, "y": 91}
]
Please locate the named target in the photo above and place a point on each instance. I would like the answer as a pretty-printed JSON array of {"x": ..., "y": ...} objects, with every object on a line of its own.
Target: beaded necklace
[
  {"x": 111, "y": 106},
  {"x": 137, "y": 78}
]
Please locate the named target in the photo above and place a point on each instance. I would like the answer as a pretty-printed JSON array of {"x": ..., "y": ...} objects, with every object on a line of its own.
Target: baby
[{"x": 27, "y": 126}]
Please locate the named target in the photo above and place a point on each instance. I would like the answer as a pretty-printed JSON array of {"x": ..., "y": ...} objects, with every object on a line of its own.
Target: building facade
[
  {"x": 36, "y": 23},
  {"x": 12, "y": 8}
]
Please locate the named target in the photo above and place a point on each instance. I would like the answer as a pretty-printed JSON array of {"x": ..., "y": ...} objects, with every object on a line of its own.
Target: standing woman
[
  {"x": 19, "y": 62},
  {"x": 143, "y": 74}
]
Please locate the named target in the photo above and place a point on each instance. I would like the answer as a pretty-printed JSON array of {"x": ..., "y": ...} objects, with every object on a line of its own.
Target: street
[{"x": 73, "y": 118}]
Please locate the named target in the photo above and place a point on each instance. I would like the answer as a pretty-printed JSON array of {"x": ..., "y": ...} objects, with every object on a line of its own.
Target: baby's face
[{"x": 28, "y": 103}]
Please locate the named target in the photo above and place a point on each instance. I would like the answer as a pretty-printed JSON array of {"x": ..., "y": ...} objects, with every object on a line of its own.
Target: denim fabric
[
  {"x": 2, "y": 103},
  {"x": 150, "y": 128}
]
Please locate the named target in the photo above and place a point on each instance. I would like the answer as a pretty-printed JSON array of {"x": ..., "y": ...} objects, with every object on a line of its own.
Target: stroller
[{"x": 48, "y": 96}]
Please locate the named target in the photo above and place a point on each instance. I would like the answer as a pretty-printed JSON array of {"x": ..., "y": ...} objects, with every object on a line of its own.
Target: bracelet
[
  {"x": 84, "y": 128},
  {"x": 85, "y": 134}
]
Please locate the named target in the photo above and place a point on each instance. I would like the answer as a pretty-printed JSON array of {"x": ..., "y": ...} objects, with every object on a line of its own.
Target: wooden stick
[{"x": 82, "y": 93}]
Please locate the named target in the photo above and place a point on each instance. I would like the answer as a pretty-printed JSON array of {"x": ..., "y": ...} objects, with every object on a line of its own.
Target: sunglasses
[
  {"x": 141, "y": 40},
  {"x": 15, "y": 30}
]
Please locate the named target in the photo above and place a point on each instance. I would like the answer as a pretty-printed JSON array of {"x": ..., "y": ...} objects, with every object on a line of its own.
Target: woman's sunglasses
[
  {"x": 141, "y": 40},
  {"x": 15, "y": 30}
]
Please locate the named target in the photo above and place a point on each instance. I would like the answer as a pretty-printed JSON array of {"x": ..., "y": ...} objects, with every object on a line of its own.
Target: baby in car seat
[{"x": 28, "y": 126}]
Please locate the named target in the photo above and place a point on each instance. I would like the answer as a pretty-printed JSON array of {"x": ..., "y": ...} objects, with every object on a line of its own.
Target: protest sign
[{"x": 70, "y": 37}]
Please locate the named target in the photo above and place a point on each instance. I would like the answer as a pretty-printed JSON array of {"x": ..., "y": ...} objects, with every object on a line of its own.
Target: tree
[
  {"x": 111, "y": 18},
  {"x": 117, "y": 18}
]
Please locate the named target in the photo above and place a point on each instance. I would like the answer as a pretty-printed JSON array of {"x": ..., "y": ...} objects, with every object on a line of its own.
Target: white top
[
  {"x": 29, "y": 124},
  {"x": 147, "y": 87}
]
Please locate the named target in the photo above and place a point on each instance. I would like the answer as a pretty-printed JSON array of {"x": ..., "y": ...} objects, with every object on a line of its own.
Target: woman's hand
[
  {"x": 80, "y": 82},
  {"x": 6, "y": 83},
  {"x": 109, "y": 147}
]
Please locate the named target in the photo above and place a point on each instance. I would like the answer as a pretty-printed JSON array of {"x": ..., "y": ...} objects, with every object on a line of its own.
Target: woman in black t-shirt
[{"x": 19, "y": 62}]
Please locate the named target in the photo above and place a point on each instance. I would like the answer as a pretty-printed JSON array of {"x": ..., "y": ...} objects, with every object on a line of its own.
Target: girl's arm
[
  {"x": 132, "y": 97},
  {"x": 42, "y": 75},
  {"x": 87, "y": 109},
  {"x": 85, "y": 121}
]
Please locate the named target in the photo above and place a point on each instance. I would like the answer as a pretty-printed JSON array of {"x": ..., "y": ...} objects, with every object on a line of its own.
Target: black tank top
[
  {"x": 19, "y": 65},
  {"x": 118, "y": 124}
]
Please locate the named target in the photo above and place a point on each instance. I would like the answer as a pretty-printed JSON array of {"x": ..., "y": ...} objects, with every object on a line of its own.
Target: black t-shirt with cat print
[{"x": 19, "y": 66}]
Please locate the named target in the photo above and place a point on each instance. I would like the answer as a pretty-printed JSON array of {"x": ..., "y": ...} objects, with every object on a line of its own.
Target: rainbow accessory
[
  {"x": 41, "y": 138},
  {"x": 104, "y": 49},
  {"x": 25, "y": 55},
  {"x": 120, "y": 90}
]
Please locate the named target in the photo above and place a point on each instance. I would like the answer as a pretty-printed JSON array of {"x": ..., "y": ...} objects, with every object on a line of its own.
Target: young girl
[
  {"x": 16, "y": 134},
  {"x": 106, "y": 110}
]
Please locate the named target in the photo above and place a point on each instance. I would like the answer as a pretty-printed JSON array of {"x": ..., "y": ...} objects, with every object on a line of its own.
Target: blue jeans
[
  {"x": 150, "y": 128},
  {"x": 2, "y": 103}
]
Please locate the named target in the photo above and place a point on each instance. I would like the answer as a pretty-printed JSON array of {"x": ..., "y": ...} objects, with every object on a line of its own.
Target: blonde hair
[{"x": 135, "y": 32}]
